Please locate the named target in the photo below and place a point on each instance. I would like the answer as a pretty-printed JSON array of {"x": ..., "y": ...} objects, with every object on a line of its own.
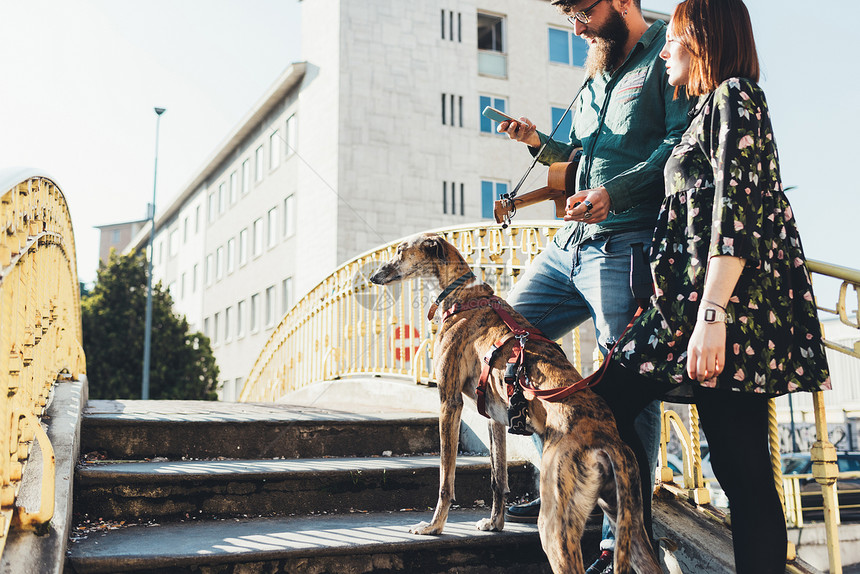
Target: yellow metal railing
[
  {"x": 347, "y": 326},
  {"x": 40, "y": 329}
]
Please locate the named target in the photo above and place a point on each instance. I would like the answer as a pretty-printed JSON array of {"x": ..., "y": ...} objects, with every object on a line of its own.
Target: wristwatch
[{"x": 711, "y": 315}]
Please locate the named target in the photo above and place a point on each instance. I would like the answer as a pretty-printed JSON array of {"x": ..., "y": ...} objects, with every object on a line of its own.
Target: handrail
[
  {"x": 41, "y": 333},
  {"x": 346, "y": 326}
]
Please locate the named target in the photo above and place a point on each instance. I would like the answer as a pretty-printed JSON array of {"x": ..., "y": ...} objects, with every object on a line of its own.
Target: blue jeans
[{"x": 564, "y": 286}]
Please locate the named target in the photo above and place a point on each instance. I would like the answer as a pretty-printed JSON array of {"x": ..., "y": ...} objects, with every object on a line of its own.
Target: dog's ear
[{"x": 435, "y": 247}]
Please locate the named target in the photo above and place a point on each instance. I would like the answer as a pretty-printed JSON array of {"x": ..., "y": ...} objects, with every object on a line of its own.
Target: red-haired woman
[{"x": 733, "y": 320}]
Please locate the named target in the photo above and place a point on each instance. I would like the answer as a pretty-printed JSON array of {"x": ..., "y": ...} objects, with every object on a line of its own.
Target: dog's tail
[{"x": 632, "y": 545}]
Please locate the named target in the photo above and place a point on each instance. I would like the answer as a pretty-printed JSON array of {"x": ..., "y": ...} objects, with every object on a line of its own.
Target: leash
[{"x": 561, "y": 393}]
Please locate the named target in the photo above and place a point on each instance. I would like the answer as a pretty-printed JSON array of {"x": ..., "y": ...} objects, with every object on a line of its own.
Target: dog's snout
[{"x": 383, "y": 275}]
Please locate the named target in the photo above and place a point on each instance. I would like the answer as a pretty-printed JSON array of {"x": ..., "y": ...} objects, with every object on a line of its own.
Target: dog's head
[{"x": 423, "y": 256}]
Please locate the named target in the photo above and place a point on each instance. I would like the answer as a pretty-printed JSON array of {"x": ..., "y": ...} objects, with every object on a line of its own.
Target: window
[
  {"x": 290, "y": 216},
  {"x": 490, "y": 192},
  {"x": 488, "y": 126},
  {"x": 274, "y": 149},
  {"x": 255, "y": 312},
  {"x": 215, "y": 323},
  {"x": 222, "y": 197},
  {"x": 286, "y": 295},
  {"x": 292, "y": 141},
  {"x": 243, "y": 247},
  {"x": 219, "y": 263},
  {"x": 246, "y": 176},
  {"x": 212, "y": 207},
  {"x": 565, "y": 47},
  {"x": 257, "y": 248},
  {"x": 174, "y": 243},
  {"x": 566, "y": 126},
  {"x": 159, "y": 251},
  {"x": 194, "y": 273},
  {"x": 458, "y": 36},
  {"x": 452, "y": 110},
  {"x": 210, "y": 268},
  {"x": 457, "y": 191},
  {"x": 206, "y": 326},
  {"x": 196, "y": 220},
  {"x": 185, "y": 230},
  {"x": 234, "y": 187},
  {"x": 491, "y": 46},
  {"x": 228, "y": 334},
  {"x": 258, "y": 164},
  {"x": 116, "y": 236},
  {"x": 270, "y": 306},
  {"x": 182, "y": 285},
  {"x": 272, "y": 238},
  {"x": 240, "y": 319},
  {"x": 231, "y": 255}
]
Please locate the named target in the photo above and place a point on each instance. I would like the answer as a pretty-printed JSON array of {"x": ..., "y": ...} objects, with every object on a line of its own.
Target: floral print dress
[{"x": 724, "y": 197}]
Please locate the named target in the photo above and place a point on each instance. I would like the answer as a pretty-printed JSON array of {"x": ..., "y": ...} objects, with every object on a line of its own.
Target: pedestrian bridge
[{"x": 344, "y": 329}]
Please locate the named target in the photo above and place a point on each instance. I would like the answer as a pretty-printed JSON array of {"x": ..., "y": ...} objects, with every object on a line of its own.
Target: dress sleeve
[{"x": 736, "y": 149}]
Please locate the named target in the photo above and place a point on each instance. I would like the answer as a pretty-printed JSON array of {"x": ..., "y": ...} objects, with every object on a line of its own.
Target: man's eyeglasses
[{"x": 582, "y": 15}]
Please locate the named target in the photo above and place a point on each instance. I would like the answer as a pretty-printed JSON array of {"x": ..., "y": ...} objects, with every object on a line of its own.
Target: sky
[{"x": 81, "y": 79}]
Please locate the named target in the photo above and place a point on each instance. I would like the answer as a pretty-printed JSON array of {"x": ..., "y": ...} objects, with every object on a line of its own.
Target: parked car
[{"x": 848, "y": 487}]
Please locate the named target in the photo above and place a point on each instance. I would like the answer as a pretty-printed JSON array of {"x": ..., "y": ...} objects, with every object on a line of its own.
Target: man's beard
[{"x": 606, "y": 53}]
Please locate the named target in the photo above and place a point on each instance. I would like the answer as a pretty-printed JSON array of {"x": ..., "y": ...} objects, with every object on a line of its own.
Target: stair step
[
  {"x": 134, "y": 430},
  {"x": 354, "y": 543},
  {"x": 171, "y": 490}
]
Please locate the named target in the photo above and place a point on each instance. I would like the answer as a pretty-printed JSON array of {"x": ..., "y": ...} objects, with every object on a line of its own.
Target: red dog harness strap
[{"x": 515, "y": 368}]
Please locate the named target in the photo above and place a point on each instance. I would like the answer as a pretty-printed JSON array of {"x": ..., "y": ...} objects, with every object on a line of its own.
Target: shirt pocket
[{"x": 630, "y": 86}]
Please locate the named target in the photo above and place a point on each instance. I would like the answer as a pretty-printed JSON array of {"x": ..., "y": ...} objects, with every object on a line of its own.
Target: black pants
[{"x": 736, "y": 427}]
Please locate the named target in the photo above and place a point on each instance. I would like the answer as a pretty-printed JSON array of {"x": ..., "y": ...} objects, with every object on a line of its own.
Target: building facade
[{"x": 377, "y": 134}]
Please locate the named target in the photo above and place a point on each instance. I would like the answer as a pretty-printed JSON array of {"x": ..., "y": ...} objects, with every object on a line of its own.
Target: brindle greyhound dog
[{"x": 584, "y": 460}]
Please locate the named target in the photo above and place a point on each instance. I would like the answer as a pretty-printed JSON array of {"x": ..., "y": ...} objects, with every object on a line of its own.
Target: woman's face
[{"x": 677, "y": 60}]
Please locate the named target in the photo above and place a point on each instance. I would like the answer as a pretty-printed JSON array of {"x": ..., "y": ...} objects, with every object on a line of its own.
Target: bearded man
[{"x": 626, "y": 119}]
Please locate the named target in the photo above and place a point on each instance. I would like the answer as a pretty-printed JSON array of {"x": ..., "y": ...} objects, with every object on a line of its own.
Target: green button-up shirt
[{"x": 627, "y": 123}]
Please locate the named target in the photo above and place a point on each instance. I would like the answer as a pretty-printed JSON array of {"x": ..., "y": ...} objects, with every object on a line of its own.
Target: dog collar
[{"x": 447, "y": 291}]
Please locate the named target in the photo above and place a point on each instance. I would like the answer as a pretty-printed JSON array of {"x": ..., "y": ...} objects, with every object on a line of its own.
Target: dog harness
[{"x": 518, "y": 387}]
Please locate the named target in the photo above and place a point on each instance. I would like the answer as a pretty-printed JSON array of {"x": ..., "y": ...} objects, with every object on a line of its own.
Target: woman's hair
[{"x": 719, "y": 37}]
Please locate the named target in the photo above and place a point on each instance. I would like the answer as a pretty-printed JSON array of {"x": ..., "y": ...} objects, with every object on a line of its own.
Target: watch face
[{"x": 710, "y": 315}]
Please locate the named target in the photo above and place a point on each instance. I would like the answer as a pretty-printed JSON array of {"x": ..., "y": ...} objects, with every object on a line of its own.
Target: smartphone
[{"x": 497, "y": 116}]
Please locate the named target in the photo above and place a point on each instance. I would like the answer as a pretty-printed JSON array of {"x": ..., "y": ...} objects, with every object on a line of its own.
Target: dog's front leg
[
  {"x": 498, "y": 477},
  {"x": 449, "y": 439}
]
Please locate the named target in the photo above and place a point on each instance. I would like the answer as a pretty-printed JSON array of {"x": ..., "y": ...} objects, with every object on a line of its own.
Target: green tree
[{"x": 113, "y": 315}]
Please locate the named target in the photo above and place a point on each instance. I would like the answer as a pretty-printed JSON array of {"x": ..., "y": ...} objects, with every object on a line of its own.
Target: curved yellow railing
[
  {"x": 347, "y": 326},
  {"x": 40, "y": 328}
]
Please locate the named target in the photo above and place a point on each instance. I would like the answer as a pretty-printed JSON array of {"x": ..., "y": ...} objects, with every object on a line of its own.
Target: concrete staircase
[{"x": 180, "y": 486}]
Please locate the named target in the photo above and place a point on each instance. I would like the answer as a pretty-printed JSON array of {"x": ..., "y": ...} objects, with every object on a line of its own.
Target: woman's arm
[{"x": 706, "y": 351}]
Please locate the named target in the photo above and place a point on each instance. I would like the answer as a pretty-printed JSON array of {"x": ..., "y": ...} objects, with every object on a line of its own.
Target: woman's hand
[
  {"x": 522, "y": 130},
  {"x": 706, "y": 351}
]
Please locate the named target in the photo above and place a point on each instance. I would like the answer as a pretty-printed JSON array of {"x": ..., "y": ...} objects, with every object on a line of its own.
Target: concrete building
[
  {"x": 117, "y": 236},
  {"x": 377, "y": 134}
]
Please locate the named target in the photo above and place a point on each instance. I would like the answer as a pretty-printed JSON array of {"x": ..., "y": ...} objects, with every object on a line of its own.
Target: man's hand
[
  {"x": 522, "y": 131},
  {"x": 589, "y": 206}
]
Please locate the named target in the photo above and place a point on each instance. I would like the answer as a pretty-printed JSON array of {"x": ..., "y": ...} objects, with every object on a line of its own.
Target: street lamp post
[{"x": 147, "y": 338}]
